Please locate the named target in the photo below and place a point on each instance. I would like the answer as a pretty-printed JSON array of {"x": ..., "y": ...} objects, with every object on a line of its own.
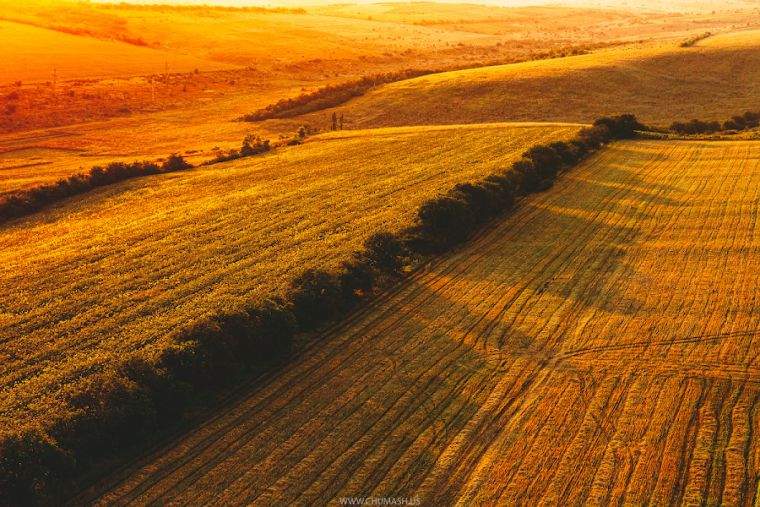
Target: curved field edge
[
  {"x": 562, "y": 357},
  {"x": 43, "y": 394}
]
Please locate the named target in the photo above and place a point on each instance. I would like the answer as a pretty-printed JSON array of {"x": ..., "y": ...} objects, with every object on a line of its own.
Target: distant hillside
[{"x": 659, "y": 82}]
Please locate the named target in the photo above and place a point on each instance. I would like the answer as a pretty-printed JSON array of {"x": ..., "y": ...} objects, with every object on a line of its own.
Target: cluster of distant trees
[
  {"x": 124, "y": 406},
  {"x": 252, "y": 145},
  {"x": 24, "y": 202},
  {"x": 748, "y": 120}
]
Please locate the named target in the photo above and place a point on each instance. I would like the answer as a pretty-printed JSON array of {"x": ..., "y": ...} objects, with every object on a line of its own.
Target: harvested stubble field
[
  {"x": 597, "y": 347},
  {"x": 117, "y": 269}
]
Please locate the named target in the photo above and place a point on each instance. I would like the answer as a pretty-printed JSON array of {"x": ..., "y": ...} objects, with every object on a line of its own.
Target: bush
[
  {"x": 175, "y": 163},
  {"x": 594, "y": 137},
  {"x": 482, "y": 199},
  {"x": 30, "y": 462},
  {"x": 28, "y": 201},
  {"x": 315, "y": 297},
  {"x": 254, "y": 145},
  {"x": 446, "y": 220},
  {"x": 384, "y": 253},
  {"x": 620, "y": 127},
  {"x": 357, "y": 279},
  {"x": 695, "y": 127}
]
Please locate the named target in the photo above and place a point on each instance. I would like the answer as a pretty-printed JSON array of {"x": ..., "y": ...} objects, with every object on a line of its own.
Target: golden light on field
[
  {"x": 561, "y": 313},
  {"x": 596, "y": 347},
  {"x": 118, "y": 269}
]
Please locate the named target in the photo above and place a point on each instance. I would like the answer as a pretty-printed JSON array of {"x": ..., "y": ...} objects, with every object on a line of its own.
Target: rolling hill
[
  {"x": 597, "y": 347},
  {"x": 659, "y": 82}
]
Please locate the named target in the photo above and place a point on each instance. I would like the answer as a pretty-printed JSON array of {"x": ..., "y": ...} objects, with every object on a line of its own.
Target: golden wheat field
[
  {"x": 119, "y": 268},
  {"x": 658, "y": 81},
  {"x": 597, "y": 347}
]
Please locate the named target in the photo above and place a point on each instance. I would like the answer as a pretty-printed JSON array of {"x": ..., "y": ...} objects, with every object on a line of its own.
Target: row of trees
[
  {"x": 124, "y": 406},
  {"x": 252, "y": 145},
  {"x": 748, "y": 120},
  {"x": 24, "y": 202}
]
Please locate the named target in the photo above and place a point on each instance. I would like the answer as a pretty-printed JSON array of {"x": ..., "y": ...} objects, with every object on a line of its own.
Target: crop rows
[{"x": 596, "y": 347}]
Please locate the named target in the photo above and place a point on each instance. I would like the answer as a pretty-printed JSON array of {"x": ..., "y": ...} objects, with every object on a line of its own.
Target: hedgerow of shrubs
[
  {"x": 24, "y": 202},
  {"x": 122, "y": 407},
  {"x": 692, "y": 41}
]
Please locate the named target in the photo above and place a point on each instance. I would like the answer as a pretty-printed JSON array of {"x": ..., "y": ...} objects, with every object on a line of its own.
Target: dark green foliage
[
  {"x": 316, "y": 298},
  {"x": 620, "y": 127},
  {"x": 384, "y": 253},
  {"x": 748, "y": 120},
  {"x": 446, "y": 220},
  {"x": 175, "y": 163},
  {"x": 695, "y": 127},
  {"x": 254, "y": 145},
  {"x": 29, "y": 462}
]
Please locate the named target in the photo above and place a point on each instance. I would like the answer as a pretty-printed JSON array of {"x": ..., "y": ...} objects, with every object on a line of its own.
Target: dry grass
[
  {"x": 595, "y": 348},
  {"x": 659, "y": 82},
  {"x": 119, "y": 268}
]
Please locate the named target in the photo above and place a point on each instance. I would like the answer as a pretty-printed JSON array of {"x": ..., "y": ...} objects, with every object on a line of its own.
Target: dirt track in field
[{"x": 600, "y": 346}]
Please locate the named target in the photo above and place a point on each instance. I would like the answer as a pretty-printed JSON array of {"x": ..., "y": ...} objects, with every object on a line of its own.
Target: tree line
[
  {"x": 25, "y": 202},
  {"x": 746, "y": 121},
  {"x": 330, "y": 95},
  {"x": 123, "y": 407}
]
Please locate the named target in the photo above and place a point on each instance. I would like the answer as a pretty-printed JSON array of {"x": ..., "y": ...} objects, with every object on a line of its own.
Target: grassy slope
[
  {"x": 597, "y": 347},
  {"x": 659, "y": 82},
  {"x": 120, "y": 267}
]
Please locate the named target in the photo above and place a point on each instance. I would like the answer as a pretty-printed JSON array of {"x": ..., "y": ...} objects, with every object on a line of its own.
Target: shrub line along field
[{"x": 595, "y": 347}]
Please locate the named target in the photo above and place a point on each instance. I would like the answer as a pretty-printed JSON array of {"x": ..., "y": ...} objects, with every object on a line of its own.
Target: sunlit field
[
  {"x": 118, "y": 269},
  {"x": 448, "y": 253},
  {"x": 595, "y": 348},
  {"x": 659, "y": 82}
]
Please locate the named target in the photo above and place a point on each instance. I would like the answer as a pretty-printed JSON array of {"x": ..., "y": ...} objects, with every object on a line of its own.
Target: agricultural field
[
  {"x": 596, "y": 347},
  {"x": 658, "y": 81},
  {"x": 117, "y": 269}
]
